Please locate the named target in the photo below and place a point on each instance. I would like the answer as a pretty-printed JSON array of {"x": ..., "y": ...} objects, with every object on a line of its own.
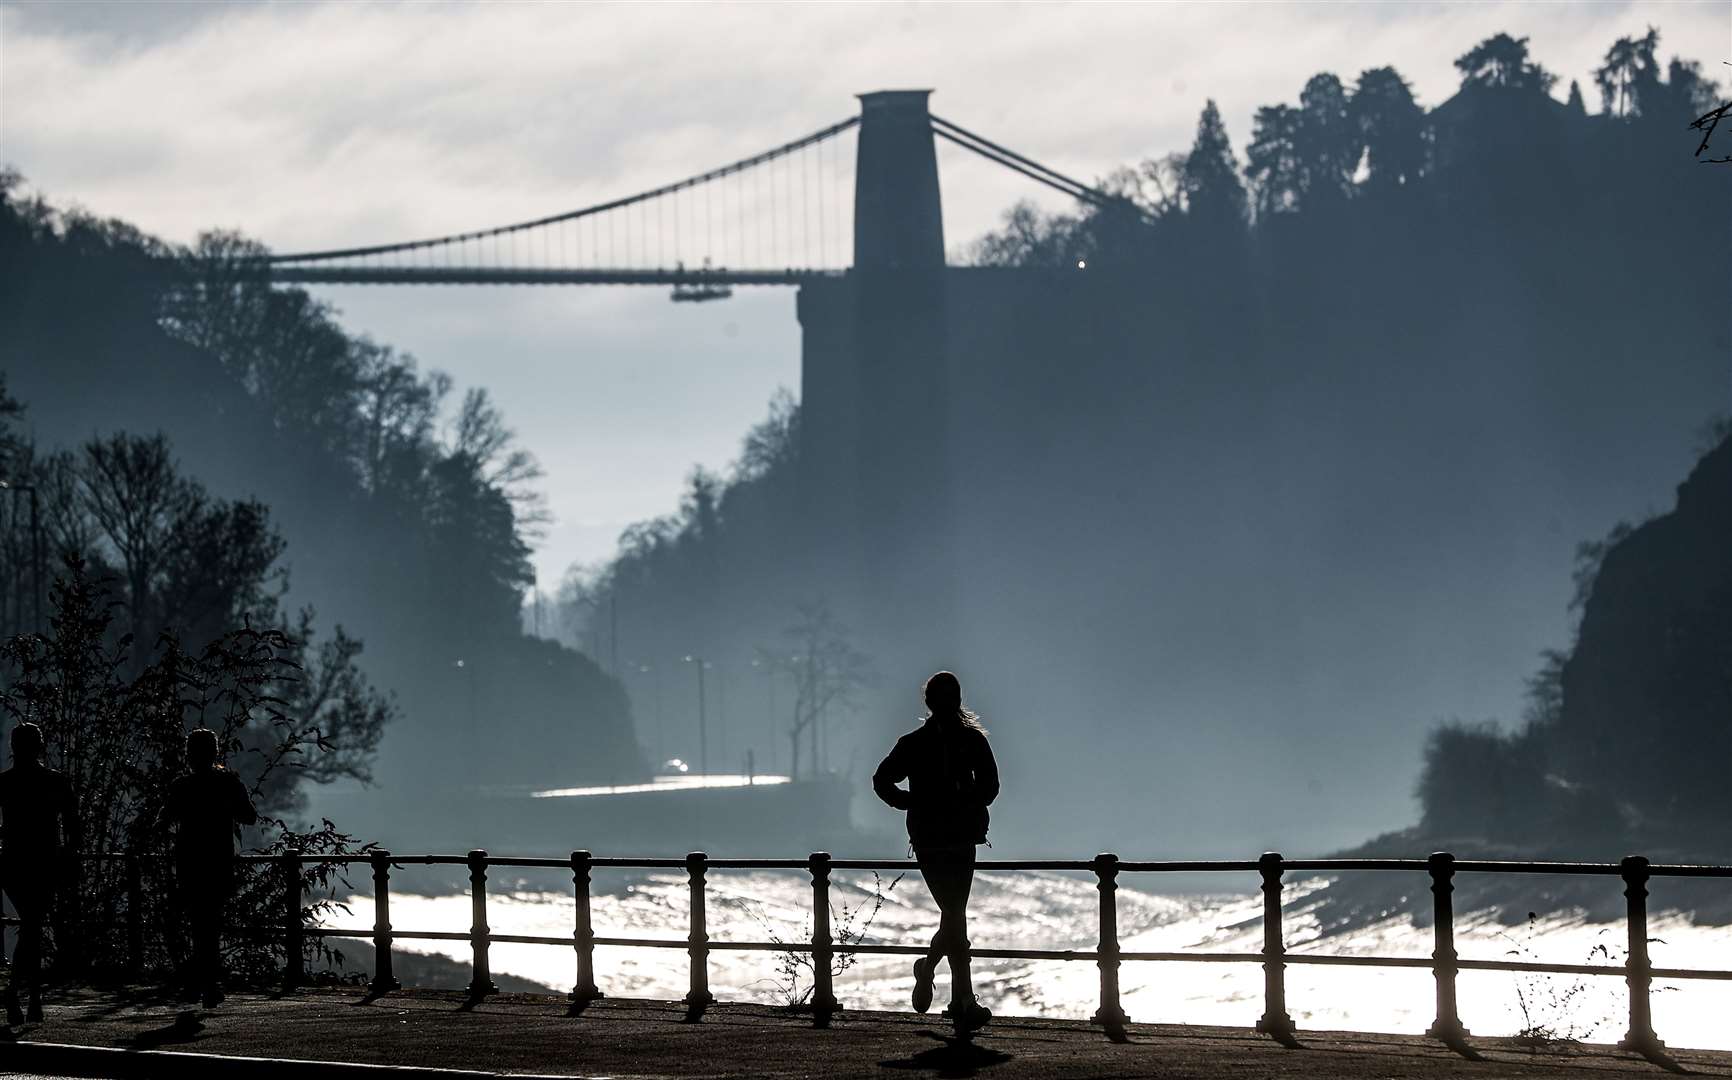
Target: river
[{"x": 1058, "y": 910}]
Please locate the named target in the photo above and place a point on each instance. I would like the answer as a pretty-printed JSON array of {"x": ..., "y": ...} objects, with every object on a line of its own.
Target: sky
[{"x": 309, "y": 125}]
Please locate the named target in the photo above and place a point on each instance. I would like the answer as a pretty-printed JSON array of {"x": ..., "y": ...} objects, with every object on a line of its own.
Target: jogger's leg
[{"x": 961, "y": 884}]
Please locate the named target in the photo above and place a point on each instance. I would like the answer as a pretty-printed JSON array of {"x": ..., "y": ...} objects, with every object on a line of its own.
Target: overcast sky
[{"x": 308, "y": 125}]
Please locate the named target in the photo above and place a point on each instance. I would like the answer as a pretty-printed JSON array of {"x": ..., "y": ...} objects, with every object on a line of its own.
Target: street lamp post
[
  {"x": 655, "y": 673},
  {"x": 703, "y": 721},
  {"x": 770, "y": 706},
  {"x": 469, "y": 670}
]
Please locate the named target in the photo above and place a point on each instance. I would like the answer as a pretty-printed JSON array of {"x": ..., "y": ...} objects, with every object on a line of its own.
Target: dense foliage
[
  {"x": 115, "y": 713},
  {"x": 410, "y": 516}
]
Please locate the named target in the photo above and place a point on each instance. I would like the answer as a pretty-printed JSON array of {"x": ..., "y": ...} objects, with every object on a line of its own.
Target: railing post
[
  {"x": 1110, "y": 1015},
  {"x": 384, "y": 978},
  {"x": 1637, "y": 970},
  {"x": 481, "y": 981},
  {"x": 823, "y": 992},
  {"x": 134, "y": 914},
  {"x": 1275, "y": 1021},
  {"x": 294, "y": 931},
  {"x": 698, "y": 949},
  {"x": 1447, "y": 1026},
  {"x": 583, "y": 934}
]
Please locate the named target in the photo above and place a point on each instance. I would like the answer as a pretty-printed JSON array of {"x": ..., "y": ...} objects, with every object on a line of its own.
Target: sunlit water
[{"x": 1033, "y": 910}]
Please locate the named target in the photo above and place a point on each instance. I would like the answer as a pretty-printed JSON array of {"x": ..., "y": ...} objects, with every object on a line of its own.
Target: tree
[
  {"x": 1501, "y": 61},
  {"x": 187, "y": 560},
  {"x": 1575, "y": 104},
  {"x": 1685, "y": 93},
  {"x": 1272, "y": 160},
  {"x": 1392, "y": 127},
  {"x": 133, "y": 491},
  {"x": 1029, "y": 237},
  {"x": 397, "y": 410},
  {"x": 479, "y": 433},
  {"x": 120, "y": 739},
  {"x": 772, "y": 446},
  {"x": 478, "y": 560},
  {"x": 827, "y": 672},
  {"x": 191, "y": 568},
  {"x": 1630, "y": 75},
  {"x": 1326, "y": 142},
  {"x": 1213, "y": 193}
]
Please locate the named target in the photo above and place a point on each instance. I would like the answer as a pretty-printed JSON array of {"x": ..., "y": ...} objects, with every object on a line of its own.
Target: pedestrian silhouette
[
  {"x": 952, "y": 779},
  {"x": 206, "y": 808},
  {"x": 39, "y": 839}
]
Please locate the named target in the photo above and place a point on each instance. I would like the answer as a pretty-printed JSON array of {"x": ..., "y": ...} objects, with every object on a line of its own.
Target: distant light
[{"x": 1082, "y": 264}]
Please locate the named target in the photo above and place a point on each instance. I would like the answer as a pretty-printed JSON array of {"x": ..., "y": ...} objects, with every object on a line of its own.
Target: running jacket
[{"x": 952, "y": 779}]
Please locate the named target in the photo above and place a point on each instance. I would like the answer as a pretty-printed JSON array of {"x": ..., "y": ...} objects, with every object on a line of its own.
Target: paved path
[{"x": 518, "y": 1033}]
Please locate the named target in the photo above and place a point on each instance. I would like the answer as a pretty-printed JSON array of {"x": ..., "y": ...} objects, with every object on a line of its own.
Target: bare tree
[
  {"x": 828, "y": 674},
  {"x": 479, "y": 431}
]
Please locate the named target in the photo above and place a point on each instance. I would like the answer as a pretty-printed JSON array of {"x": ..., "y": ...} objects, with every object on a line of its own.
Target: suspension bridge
[
  {"x": 785, "y": 216},
  {"x": 850, "y": 215}
]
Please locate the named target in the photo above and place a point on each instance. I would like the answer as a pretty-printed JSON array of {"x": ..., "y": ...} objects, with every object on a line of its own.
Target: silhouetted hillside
[
  {"x": 1627, "y": 744},
  {"x": 406, "y": 524},
  {"x": 1253, "y": 487}
]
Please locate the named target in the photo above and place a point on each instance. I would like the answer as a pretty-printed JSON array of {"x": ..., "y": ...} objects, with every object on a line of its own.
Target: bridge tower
[
  {"x": 876, "y": 389},
  {"x": 898, "y": 219}
]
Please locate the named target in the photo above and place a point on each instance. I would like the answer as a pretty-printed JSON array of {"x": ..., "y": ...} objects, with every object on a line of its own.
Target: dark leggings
[
  {"x": 31, "y": 901},
  {"x": 949, "y": 874},
  {"x": 204, "y": 897}
]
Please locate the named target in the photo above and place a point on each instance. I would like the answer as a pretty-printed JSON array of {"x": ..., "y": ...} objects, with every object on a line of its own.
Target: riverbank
[{"x": 532, "y": 1034}]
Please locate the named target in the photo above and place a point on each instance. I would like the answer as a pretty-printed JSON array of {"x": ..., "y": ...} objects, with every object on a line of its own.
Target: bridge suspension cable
[
  {"x": 768, "y": 218},
  {"x": 778, "y": 217},
  {"x": 1032, "y": 169}
]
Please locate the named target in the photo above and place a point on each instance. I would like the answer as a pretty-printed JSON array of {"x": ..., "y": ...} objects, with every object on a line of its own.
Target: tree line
[
  {"x": 1368, "y": 142},
  {"x": 1359, "y": 239},
  {"x": 193, "y": 434}
]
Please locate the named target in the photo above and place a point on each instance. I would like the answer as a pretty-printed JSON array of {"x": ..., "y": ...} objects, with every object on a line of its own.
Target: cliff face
[{"x": 1647, "y": 692}]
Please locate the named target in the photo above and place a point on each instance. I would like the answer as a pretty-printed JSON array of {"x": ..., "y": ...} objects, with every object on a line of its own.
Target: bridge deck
[{"x": 534, "y": 1034}]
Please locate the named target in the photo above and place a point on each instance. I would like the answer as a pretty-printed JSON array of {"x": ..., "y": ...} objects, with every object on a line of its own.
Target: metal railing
[{"x": 1634, "y": 871}]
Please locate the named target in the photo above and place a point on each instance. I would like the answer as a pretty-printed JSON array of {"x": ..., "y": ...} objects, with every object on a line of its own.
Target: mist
[{"x": 1222, "y": 483}]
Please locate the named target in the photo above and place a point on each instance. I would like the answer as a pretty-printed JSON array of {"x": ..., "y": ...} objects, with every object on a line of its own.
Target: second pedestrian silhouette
[{"x": 206, "y": 807}]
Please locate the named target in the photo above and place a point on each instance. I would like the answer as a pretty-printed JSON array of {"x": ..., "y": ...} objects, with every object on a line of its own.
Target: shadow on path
[
  {"x": 187, "y": 1027},
  {"x": 954, "y": 1056}
]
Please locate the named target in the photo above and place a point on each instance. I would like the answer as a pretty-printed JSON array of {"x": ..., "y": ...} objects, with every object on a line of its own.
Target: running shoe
[
  {"x": 922, "y": 997},
  {"x": 970, "y": 1017}
]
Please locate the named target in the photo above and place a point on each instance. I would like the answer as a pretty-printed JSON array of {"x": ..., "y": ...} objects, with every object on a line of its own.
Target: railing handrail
[
  {"x": 1181, "y": 866},
  {"x": 1634, "y": 871}
]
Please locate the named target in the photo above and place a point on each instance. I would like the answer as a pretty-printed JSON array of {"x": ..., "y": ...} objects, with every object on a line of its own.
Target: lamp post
[
  {"x": 655, "y": 672},
  {"x": 769, "y": 671},
  {"x": 703, "y": 722},
  {"x": 469, "y": 670}
]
